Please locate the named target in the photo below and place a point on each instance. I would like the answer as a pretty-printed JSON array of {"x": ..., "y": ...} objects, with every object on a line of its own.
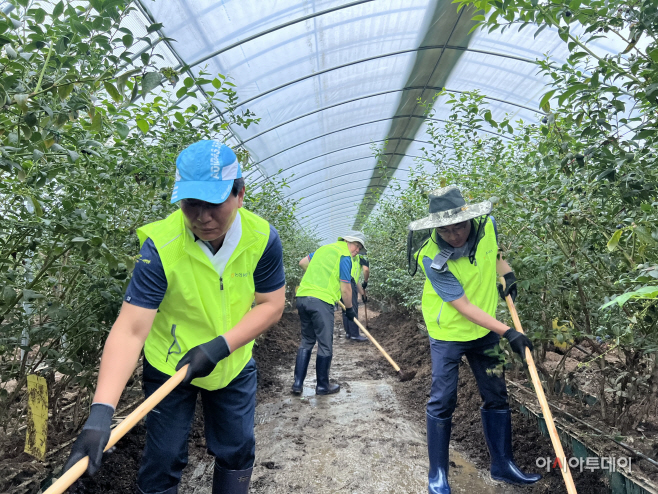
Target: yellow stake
[{"x": 37, "y": 416}]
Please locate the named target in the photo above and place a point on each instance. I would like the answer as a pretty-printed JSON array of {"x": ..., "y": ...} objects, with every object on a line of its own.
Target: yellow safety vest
[
  {"x": 356, "y": 267},
  {"x": 443, "y": 321},
  {"x": 322, "y": 277},
  {"x": 200, "y": 303}
]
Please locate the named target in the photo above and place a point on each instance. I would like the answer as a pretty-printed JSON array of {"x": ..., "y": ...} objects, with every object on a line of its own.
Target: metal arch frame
[
  {"x": 328, "y": 153},
  {"x": 314, "y": 217},
  {"x": 335, "y": 132},
  {"x": 374, "y": 95},
  {"x": 353, "y": 173},
  {"x": 345, "y": 162},
  {"x": 149, "y": 16},
  {"x": 343, "y": 192},
  {"x": 348, "y": 211},
  {"x": 356, "y": 145},
  {"x": 423, "y": 117},
  {"x": 376, "y": 57},
  {"x": 273, "y": 29}
]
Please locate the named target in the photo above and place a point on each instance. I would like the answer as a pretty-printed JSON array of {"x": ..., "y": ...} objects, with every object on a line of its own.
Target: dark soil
[{"x": 408, "y": 345}]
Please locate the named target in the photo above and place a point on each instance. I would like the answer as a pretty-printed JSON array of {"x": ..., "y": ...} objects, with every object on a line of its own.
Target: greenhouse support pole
[
  {"x": 545, "y": 409},
  {"x": 73, "y": 473}
]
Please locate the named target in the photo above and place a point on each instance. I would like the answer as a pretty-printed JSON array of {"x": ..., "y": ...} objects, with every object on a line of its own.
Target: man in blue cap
[{"x": 189, "y": 302}]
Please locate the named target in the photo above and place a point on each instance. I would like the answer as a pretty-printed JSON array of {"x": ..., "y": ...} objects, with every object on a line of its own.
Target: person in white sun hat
[
  {"x": 360, "y": 265},
  {"x": 327, "y": 279},
  {"x": 189, "y": 302},
  {"x": 460, "y": 262}
]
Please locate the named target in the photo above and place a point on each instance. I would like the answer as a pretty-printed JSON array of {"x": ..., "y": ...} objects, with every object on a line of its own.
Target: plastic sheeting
[{"x": 331, "y": 79}]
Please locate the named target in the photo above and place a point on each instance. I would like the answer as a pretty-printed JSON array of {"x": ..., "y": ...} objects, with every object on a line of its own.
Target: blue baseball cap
[{"x": 205, "y": 171}]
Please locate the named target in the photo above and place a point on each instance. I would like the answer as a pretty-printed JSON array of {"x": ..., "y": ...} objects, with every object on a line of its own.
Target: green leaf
[
  {"x": 36, "y": 205},
  {"x": 188, "y": 81},
  {"x": 541, "y": 28},
  {"x": 112, "y": 91},
  {"x": 79, "y": 240},
  {"x": 217, "y": 83},
  {"x": 122, "y": 129},
  {"x": 127, "y": 40},
  {"x": 614, "y": 240},
  {"x": 96, "y": 122},
  {"x": 545, "y": 104},
  {"x": 654, "y": 54},
  {"x": 40, "y": 16},
  {"x": 21, "y": 101},
  {"x": 73, "y": 156},
  {"x": 646, "y": 292},
  {"x": 154, "y": 27},
  {"x": 59, "y": 9},
  {"x": 181, "y": 92},
  {"x": 150, "y": 81},
  {"x": 64, "y": 91},
  {"x": 143, "y": 125},
  {"x": 11, "y": 53},
  {"x": 145, "y": 57}
]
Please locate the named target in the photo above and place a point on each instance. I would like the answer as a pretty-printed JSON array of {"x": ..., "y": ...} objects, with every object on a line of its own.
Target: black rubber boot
[
  {"x": 301, "y": 365},
  {"x": 438, "y": 440},
  {"x": 356, "y": 336},
  {"x": 230, "y": 481},
  {"x": 322, "y": 365},
  {"x": 497, "y": 425}
]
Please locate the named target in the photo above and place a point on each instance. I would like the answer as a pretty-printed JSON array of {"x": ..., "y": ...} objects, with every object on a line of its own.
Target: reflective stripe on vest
[
  {"x": 322, "y": 277},
  {"x": 443, "y": 321},
  {"x": 198, "y": 302}
]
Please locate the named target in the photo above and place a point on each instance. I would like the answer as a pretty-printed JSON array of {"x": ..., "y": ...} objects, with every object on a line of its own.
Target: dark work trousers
[
  {"x": 446, "y": 356},
  {"x": 350, "y": 326},
  {"x": 317, "y": 318},
  {"x": 229, "y": 426}
]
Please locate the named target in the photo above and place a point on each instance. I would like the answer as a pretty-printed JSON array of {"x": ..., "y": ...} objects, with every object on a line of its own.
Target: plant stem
[{"x": 43, "y": 71}]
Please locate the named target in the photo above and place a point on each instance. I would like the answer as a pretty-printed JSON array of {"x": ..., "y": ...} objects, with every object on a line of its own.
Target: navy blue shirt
[
  {"x": 345, "y": 267},
  {"x": 148, "y": 284},
  {"x": 445, "y": 284}
]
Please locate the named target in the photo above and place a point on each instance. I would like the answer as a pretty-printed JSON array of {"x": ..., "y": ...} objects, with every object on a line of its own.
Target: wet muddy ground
[
  {"x": 360, "y": 440},
  {"x": 370, "y": 437}
]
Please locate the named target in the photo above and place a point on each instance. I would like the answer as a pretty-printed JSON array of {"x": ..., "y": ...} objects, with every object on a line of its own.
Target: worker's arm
[
  {"x": 266, "y": 313},
  {"x": 366, "y": 274},
  {"x": 346, "y": 293},
  {"x": 304, "y": 263},
  {"x": 121, "y": 351},
  {"x": 502, "y": 267},
  {"x": 476, "y": 315}
]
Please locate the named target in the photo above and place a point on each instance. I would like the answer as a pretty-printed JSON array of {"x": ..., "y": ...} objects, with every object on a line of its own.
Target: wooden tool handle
[
  {"x": 546, "y": 411},
  {"x": 374, "y": 341},
  {"x": 73, "y": 473}
]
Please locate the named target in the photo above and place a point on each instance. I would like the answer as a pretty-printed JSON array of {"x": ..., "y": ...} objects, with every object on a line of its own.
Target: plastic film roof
[{"x": 330, "y": 79}]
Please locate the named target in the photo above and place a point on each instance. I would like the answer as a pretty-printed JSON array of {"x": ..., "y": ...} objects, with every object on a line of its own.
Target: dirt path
[{"x": 359, "y": 440}]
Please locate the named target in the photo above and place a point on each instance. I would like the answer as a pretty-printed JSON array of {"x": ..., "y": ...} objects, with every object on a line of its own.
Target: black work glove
[
  {"x": 510, "y": 287},
  {"x": 349, "y": 312},
  {"x": 93, "y": 438},
  {"x": 364, "y": 285},
  {"x": 364, "y": 297},
  {"x": 518, "y": 341},
  {"x": 203, "y": 358}
]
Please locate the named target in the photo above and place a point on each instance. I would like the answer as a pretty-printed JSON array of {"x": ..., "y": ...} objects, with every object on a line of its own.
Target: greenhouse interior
[{"x": 406, "y": 246}]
